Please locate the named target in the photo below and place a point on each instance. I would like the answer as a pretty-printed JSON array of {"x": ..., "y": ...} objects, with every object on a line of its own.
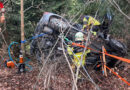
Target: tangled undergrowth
[{"x": 57, "y": 76}]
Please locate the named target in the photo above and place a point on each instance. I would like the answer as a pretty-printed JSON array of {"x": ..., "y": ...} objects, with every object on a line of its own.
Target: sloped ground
[
  {"x": 57, "y": 77},
  {"x": 10, "y": 80}
]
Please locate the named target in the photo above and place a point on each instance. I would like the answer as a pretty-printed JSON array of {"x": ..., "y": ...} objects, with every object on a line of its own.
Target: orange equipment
[
  {"x": 110, "y": 55},
  {"x": 9, "y": 64},
  {"x": 21, "y": 59}
]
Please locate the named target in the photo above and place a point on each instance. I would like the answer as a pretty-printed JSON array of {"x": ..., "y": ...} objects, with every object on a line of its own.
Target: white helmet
[{"x": 79, "y": 36}]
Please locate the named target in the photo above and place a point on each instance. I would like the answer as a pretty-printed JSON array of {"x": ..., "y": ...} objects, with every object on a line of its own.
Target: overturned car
[{"x": 52, "y": 25}]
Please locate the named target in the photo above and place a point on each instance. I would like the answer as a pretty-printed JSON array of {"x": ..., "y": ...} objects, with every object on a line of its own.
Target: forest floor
[{"x": 58, "y": 77}]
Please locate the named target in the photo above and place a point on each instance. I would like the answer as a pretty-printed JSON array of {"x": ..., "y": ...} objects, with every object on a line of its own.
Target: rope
[
  {"x": 73, "y": 76},
  {"x": 34, "y": 37},
  {"x": 91, "y": 78},
  {"x": 115, "y": 74},
  {"x": 104, "y": 65},
  {"x": 26, "y": 63},
  {"x": 113, "y": 56},
  {"x": 118, "y": 76},
  {"x": 83, "y": 68},
  {"x": 10, "y": 53},
  {"x": 27, "y": 60}
]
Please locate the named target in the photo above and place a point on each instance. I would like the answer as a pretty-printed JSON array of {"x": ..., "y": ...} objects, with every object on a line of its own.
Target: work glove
[
  {"x": 69, "y": 43},
  {"x": 70, "y": 50}
]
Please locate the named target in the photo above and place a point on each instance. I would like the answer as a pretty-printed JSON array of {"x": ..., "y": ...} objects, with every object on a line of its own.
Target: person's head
[
  {"x": 79, "y": 36},
  {"x": 2, "y": 9}
]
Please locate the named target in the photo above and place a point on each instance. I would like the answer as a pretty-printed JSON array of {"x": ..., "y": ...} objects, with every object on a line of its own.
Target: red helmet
[
  {"x": 2, "y": 9},
  {"x": 1, "y": 5}
]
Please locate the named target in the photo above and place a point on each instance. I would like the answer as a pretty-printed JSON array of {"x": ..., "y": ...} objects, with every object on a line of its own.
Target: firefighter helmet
[{"x": 79, "y": 36}]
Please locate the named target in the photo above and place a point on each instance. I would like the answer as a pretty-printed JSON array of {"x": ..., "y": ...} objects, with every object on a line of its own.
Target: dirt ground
[{"x": 58, "y": 77}]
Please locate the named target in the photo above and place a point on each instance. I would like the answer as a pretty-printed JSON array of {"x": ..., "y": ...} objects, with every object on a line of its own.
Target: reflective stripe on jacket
[
  {"x": 90, "y": 20},
  {"x": 77, "y": 56}
]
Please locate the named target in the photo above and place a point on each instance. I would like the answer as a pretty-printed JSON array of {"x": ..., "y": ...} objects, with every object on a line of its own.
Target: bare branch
[{"x": 118, "y": 8}]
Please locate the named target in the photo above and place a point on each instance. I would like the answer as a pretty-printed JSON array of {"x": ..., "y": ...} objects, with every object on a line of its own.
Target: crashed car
[{"x": 51, "y": 24}]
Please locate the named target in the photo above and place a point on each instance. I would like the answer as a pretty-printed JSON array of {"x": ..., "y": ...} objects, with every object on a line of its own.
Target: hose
[
  {"x": 27, "y": 60},
  {"x": 9, "y": 47}
]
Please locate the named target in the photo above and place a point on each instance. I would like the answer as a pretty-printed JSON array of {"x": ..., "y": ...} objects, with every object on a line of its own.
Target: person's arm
[
  {"x": 2, "y": 18},
  {"x": 70, "y": 50}
]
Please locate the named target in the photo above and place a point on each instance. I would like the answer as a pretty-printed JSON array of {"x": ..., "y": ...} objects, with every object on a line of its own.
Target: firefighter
[
  {"x": 90, "y": 22},
  {"x": 2, "y": 13},
  {"x": 2, "y": 20},
  {"x": 79, "y": 56}
]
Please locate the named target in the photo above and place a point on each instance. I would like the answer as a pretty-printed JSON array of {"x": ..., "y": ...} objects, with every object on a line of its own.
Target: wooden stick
[
  {"x": 102, "y": 64},
  {"x": 104, "y": 61},
  {"x": 22, "y": 27}
]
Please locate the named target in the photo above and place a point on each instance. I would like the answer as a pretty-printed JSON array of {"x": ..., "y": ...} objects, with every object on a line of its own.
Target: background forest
[
  {"x": 71, "y": 10},
  {"x": 34, "y": 9}
]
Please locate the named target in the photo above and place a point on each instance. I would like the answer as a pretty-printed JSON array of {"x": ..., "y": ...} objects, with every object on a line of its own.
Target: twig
[
  {"x": 86, "y": 44},
  {"x": 118, "y": 8},
  {"x": 104, "y": 61},
  {"x": 73, "y": 76},
  {"x": 69, "y": 65},
  {"x": 27, "y": 9},
  {"x": 97, "y": 87},
  {"x": 38, "y": 77}
]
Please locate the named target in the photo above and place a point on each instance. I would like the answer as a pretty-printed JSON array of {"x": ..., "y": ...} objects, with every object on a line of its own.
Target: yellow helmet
[{"x": 79, "y": 36}]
